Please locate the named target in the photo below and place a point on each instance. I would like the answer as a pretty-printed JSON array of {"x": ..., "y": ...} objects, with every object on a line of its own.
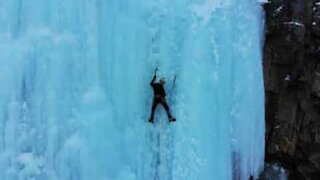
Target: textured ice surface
[{"x": 75, "y": 94}]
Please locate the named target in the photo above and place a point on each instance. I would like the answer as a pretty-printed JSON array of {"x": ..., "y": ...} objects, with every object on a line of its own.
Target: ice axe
[{"x": 174, "y": 81}]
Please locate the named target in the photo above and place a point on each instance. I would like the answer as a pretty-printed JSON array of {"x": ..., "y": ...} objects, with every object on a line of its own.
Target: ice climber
[{"x": 159, "y": 97}]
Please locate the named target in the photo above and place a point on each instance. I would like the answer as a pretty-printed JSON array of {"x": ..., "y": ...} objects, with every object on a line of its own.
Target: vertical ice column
[
  {"x": 49, "y": 64},
  {"x": 247, "y": 112}
]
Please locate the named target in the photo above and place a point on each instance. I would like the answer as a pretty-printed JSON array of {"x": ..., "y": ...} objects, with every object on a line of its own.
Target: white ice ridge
[
  {"x": 294, "y": 23},
  {"x": 263, "y": 1}
]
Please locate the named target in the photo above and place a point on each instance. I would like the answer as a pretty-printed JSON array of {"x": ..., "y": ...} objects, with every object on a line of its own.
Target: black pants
[{"x": 160, "y": 100}]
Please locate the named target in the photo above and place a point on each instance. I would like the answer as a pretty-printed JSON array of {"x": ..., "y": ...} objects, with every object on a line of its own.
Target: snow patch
[
  {"x": 294, "y": 23},
  {"x": 279, "y": 9},
  {"x": 94, "y": 98},
  {"x": 205, "y": 9},
  {"x": 93, "y": 95},
  {"x": 30, "y": 164},
  {"x": 74, "y": 142},
  {"x": 287, "y": 78}
]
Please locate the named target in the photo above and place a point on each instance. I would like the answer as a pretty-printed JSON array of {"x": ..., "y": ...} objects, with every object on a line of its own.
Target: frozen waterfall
[{"x": 75, "y": 96}]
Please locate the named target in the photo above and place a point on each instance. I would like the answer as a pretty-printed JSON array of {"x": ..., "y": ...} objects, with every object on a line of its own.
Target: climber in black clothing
[{"x": 159, "y": 97}]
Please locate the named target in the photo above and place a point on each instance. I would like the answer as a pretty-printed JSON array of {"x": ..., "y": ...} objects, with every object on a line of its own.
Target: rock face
[{"x": 292, "y": 85}]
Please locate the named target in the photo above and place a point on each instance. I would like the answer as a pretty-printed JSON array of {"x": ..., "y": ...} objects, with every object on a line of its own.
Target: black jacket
[{"x": 157, "y": 88}]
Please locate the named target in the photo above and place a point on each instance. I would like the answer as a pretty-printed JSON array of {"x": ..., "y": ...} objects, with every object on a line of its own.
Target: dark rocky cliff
[{"x": 292, "y": 85}]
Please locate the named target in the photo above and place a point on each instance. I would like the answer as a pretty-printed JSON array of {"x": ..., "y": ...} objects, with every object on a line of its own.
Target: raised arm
[{"x": 154, "y": 78}]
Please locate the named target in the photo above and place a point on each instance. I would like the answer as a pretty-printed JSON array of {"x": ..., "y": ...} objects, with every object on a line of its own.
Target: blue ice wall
[{"x": 75, "y": 95}]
